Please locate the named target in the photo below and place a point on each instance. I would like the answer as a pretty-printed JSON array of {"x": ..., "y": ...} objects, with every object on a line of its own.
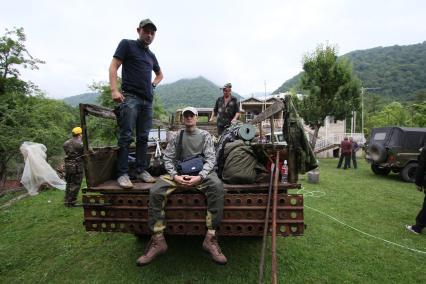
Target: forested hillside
[
  {"x": 197, "y": 92},
  {"x": 86, "y": 98},
  {"x": 398, "y": 71}
]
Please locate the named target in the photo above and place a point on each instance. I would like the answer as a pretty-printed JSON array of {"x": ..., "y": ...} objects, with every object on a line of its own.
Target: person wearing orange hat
[{"x": 73, "y": 148}]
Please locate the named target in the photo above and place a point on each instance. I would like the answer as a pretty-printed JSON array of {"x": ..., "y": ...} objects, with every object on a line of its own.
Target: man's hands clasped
[{"x": 187, "y": 181}]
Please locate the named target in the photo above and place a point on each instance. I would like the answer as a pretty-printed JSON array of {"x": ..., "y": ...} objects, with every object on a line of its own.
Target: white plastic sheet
[{"x": 37, "y": 171}]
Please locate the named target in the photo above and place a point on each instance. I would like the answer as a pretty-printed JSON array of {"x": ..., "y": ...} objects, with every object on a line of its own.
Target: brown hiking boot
[
  {"x": 156, "y": 246},
  {"x": 211, "y": 246}
]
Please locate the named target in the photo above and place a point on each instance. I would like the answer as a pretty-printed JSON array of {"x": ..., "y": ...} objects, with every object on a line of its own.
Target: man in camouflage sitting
[
  {"x": 194, "y": 142},
  {"x": 73, "y": 166}
]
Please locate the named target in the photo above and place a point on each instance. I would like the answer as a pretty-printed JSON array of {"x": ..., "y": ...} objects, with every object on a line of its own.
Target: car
[{"x": 395, "y": 149}]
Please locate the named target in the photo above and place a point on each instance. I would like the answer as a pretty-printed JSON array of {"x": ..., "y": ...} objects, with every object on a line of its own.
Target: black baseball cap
[{"x": 145, "y": 22}]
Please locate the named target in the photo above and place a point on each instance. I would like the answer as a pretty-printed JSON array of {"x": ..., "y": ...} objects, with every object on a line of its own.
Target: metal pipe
[
  {"x": 274, "y": 223},
  {"x": 265, "y": 227}
]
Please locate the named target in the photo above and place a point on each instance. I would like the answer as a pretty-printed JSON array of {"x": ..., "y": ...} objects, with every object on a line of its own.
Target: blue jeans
[{"x": 135, "y": 113}]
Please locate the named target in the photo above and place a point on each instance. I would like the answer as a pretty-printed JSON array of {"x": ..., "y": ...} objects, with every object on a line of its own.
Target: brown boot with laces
[
  {"x": 156, "y": 246},
  {"x": 211, "y": 246}
]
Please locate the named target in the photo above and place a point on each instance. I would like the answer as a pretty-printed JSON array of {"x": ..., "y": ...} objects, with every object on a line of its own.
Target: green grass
[{"x": 43, "y": 242}]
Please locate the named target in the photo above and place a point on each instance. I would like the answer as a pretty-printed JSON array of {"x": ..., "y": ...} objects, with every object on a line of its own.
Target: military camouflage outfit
[
  {"x": 73, "y": 169},
  {"x": 200, "y": 143},
  {"x": 225, "y": 113}
]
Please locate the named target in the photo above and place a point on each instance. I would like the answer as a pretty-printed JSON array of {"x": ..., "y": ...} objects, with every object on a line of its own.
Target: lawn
[{"x": 43, "y": 242}]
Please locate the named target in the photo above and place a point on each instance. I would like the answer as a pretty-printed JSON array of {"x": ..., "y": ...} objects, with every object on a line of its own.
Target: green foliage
[
  {"x": 25, "y": 117},
  {"x": 44, "y": 242},
  {"x": 393, "y": 114},
  {"x": 32, "y": 118},
  {"x": 13, "y": 53},
  {"x": 332, "y": 88},
  {"x": 399, "y": 71}
]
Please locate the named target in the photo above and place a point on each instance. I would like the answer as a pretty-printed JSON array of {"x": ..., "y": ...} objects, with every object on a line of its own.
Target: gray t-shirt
[{"x": 192, "y": 144}]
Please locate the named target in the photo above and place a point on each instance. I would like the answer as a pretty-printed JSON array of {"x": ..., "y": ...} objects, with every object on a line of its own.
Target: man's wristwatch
[{"x": 154, "y": 85}]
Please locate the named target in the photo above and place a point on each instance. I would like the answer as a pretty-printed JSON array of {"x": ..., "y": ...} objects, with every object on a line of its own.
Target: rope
[{"x": 317, "y": 194}]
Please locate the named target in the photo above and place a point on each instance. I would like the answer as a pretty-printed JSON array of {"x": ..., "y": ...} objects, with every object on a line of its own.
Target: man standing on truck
[
  {"x": 190, "y": 144},
  {"x": 73, "y": 166},
  {"x": 227, "y": 109},
  {"x": 135, "y": 98},
  {"x": 421, "y": 186}
]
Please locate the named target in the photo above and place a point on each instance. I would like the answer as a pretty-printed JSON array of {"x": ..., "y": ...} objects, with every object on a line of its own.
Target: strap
[
  {"x": 179, "y": 146},
  {"x": 157, "y": 149}
]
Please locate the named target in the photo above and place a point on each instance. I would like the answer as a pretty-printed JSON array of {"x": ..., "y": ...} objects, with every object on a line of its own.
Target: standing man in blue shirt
[{"x": 135, "y": 98}]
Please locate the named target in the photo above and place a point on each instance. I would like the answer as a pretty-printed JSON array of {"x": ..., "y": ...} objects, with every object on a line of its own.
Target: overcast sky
[{"x": 243, "y": 42}]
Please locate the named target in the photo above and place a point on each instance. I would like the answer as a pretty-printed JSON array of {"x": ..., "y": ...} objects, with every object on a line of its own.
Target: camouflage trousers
[
  {"x": 73, "y": 187},
  {"x": 212, "y": 187}
]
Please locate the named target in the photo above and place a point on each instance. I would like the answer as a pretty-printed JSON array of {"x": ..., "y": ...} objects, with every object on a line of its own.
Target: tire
[
  {"x": 377, "y": 152},
  {"x": 408, "y": 173},
  {"x": 380, "y": 171}
]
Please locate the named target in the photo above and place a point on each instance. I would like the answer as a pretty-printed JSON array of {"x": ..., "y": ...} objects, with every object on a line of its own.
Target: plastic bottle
[{"x": 284, "y": 171}]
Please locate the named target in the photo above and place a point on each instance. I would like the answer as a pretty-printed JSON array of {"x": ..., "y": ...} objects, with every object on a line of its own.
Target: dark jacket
[
  {"x": 421, "y": 168},
  {"x": 346, "y": 147}
]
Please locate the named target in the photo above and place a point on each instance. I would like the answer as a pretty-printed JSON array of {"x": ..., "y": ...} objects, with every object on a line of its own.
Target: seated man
[{"x": 189, "y": 142}]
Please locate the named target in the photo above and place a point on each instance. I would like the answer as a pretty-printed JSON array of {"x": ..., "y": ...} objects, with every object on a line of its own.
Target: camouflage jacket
[
  {"x": 206, "y": 149},
  {"x": 74, "y": 150},
  {"x": 225, "y": 113}
]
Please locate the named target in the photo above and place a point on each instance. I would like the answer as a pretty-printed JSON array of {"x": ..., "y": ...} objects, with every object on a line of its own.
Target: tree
[
  {"x": 31, "y": 118},
  {"x": 332, "y": 88},
  {"x": 393, "y": 114},
  {"x": 25, "y": 117},
  {"x": 14, "y": 54}
]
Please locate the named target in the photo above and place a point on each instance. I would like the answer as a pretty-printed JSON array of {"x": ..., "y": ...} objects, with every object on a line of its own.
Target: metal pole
[
  {"x": 362, "y": 111},
  {"x": 274, "y": 223},
  {"x": 266, "y": 226}
]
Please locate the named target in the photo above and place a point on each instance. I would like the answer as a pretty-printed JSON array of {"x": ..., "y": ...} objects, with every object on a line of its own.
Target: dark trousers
[
  {"x": 421, "y": 218},
  {"x": 339, "y": 165},
  {"x": 73, "y": 187},
  {"x": 212, "y": 187},
  {"x": 354, "y": 160},
  {"x": 135, "y": 113}
]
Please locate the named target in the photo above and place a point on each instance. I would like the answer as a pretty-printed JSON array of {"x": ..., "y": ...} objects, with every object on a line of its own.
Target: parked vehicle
[{"x": 395, "y": 149}]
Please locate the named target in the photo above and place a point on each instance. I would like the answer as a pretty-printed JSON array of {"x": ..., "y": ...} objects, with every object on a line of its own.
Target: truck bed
[{"x": 109, "y": 208}]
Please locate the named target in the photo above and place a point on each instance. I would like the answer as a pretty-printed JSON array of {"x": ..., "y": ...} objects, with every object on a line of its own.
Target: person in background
[
  {"x": 345, "y": 153},
  {"x": 355, "y": 148},
  {"x": 420, "y": 183},
  {"x": 73, "y": 166},
  {"x": 195, "y": 142},
  {"x": 135, "y": 98},
  {"x": 227, "y": 109}
]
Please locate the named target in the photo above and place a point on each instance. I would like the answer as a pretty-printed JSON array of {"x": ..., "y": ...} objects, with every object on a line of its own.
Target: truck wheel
[
  {"x": 380, "y": 171},
  {"x": 377, "y": 152},
  {"x": 408, "y": 173}
]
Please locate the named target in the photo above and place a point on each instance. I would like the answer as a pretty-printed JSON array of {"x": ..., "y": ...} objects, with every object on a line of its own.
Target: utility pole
[{"x": 363, "y": 90}]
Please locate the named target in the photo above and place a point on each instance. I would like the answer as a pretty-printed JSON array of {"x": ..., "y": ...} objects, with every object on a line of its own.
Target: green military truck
[{"x": 395, "y": 149}]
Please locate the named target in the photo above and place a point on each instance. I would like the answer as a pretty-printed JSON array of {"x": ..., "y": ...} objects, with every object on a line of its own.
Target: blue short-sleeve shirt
[{"x": 138, "y": 64}]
